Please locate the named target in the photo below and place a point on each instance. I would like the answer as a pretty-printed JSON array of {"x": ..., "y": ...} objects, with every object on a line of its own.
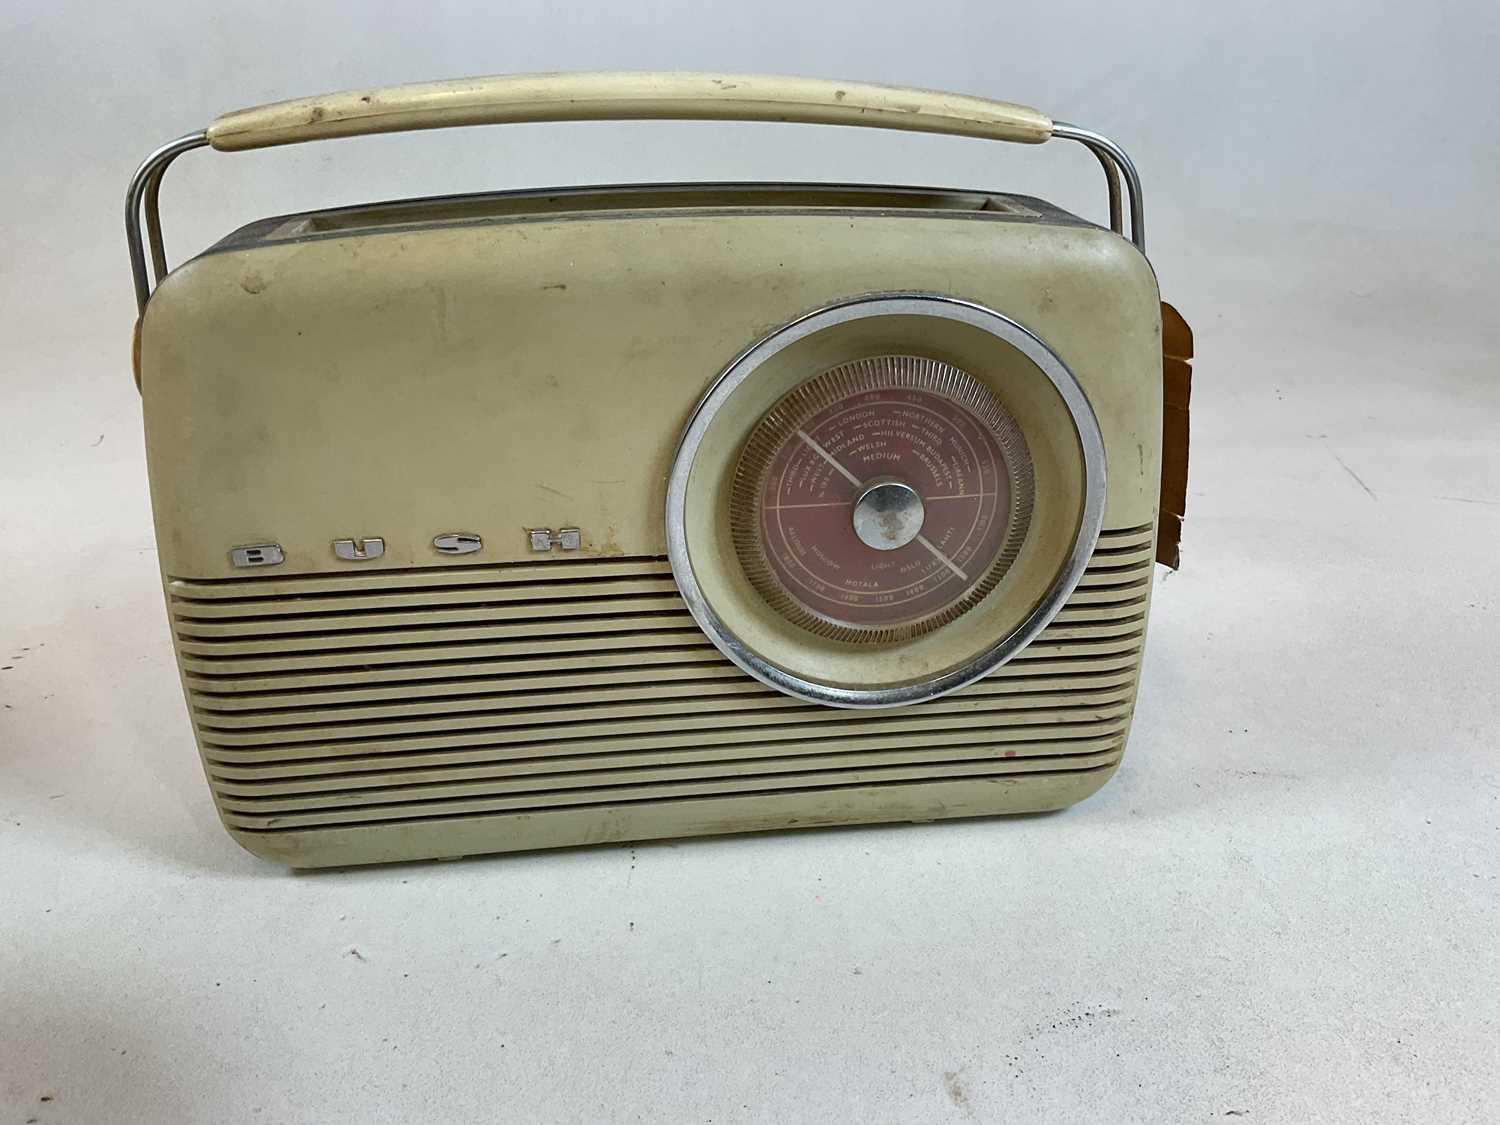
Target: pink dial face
[{"x": 888, "y": 496}]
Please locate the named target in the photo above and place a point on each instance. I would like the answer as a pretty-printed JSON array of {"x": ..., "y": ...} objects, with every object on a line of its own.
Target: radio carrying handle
[{"x": 611, "y": 96}]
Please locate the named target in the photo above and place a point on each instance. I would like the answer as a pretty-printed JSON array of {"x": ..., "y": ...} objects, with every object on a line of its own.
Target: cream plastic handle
[{"x": 624, "y": 95}]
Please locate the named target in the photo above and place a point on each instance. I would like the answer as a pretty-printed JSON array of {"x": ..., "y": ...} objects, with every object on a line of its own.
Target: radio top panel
[{"x": 610, "y": 96}]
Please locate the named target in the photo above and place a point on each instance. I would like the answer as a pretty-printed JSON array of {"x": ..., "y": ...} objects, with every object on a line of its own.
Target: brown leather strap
[{"x": 1177, "y": 385}]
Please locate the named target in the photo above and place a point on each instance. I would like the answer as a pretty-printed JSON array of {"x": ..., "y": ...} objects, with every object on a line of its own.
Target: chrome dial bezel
[{"x": 1091, "y": 447}]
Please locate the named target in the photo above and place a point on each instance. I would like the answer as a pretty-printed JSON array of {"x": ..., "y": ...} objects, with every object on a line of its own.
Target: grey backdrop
[{"x": 1352, "y": 113}]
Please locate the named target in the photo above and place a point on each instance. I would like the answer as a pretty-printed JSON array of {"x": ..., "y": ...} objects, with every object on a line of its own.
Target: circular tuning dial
[{"x": 881, "y": 499}]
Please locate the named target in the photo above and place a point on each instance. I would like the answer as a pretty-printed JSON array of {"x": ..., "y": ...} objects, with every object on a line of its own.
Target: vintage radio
[{"x": 541, "y": 518}]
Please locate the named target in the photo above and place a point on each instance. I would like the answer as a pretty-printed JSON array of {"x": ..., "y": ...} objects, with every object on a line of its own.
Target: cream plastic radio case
[{"x": 543, "y": 518}]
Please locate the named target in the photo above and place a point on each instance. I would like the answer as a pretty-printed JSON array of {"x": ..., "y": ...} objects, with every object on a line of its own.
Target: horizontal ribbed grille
[{"x": 385, "y": 697}]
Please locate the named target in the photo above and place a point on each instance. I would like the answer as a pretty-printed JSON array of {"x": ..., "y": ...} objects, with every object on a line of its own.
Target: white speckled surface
[{"x": 1284, "y": 909}]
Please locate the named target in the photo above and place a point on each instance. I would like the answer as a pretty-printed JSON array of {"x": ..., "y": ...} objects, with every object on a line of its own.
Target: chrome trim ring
[{"x": 1091, "y": 444}]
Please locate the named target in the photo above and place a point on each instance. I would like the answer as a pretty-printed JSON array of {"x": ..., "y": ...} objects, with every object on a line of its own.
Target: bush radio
[{"x": 542, "y": 518}]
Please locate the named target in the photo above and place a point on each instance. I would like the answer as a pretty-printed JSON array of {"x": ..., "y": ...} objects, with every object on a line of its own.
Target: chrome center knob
[{"x": 888, "y": 514}]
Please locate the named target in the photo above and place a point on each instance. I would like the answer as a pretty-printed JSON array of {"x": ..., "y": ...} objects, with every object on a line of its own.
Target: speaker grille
[{"x": 392, "y": 696}]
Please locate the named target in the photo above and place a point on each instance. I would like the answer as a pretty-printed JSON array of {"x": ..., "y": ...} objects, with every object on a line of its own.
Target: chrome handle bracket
[{"x": 1112, "y": 157}]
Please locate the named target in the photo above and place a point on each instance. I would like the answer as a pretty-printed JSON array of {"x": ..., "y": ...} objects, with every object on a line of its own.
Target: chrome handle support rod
[
  {"x": 144, "y": 188},
  {"x": 1110, "y": 153}
]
